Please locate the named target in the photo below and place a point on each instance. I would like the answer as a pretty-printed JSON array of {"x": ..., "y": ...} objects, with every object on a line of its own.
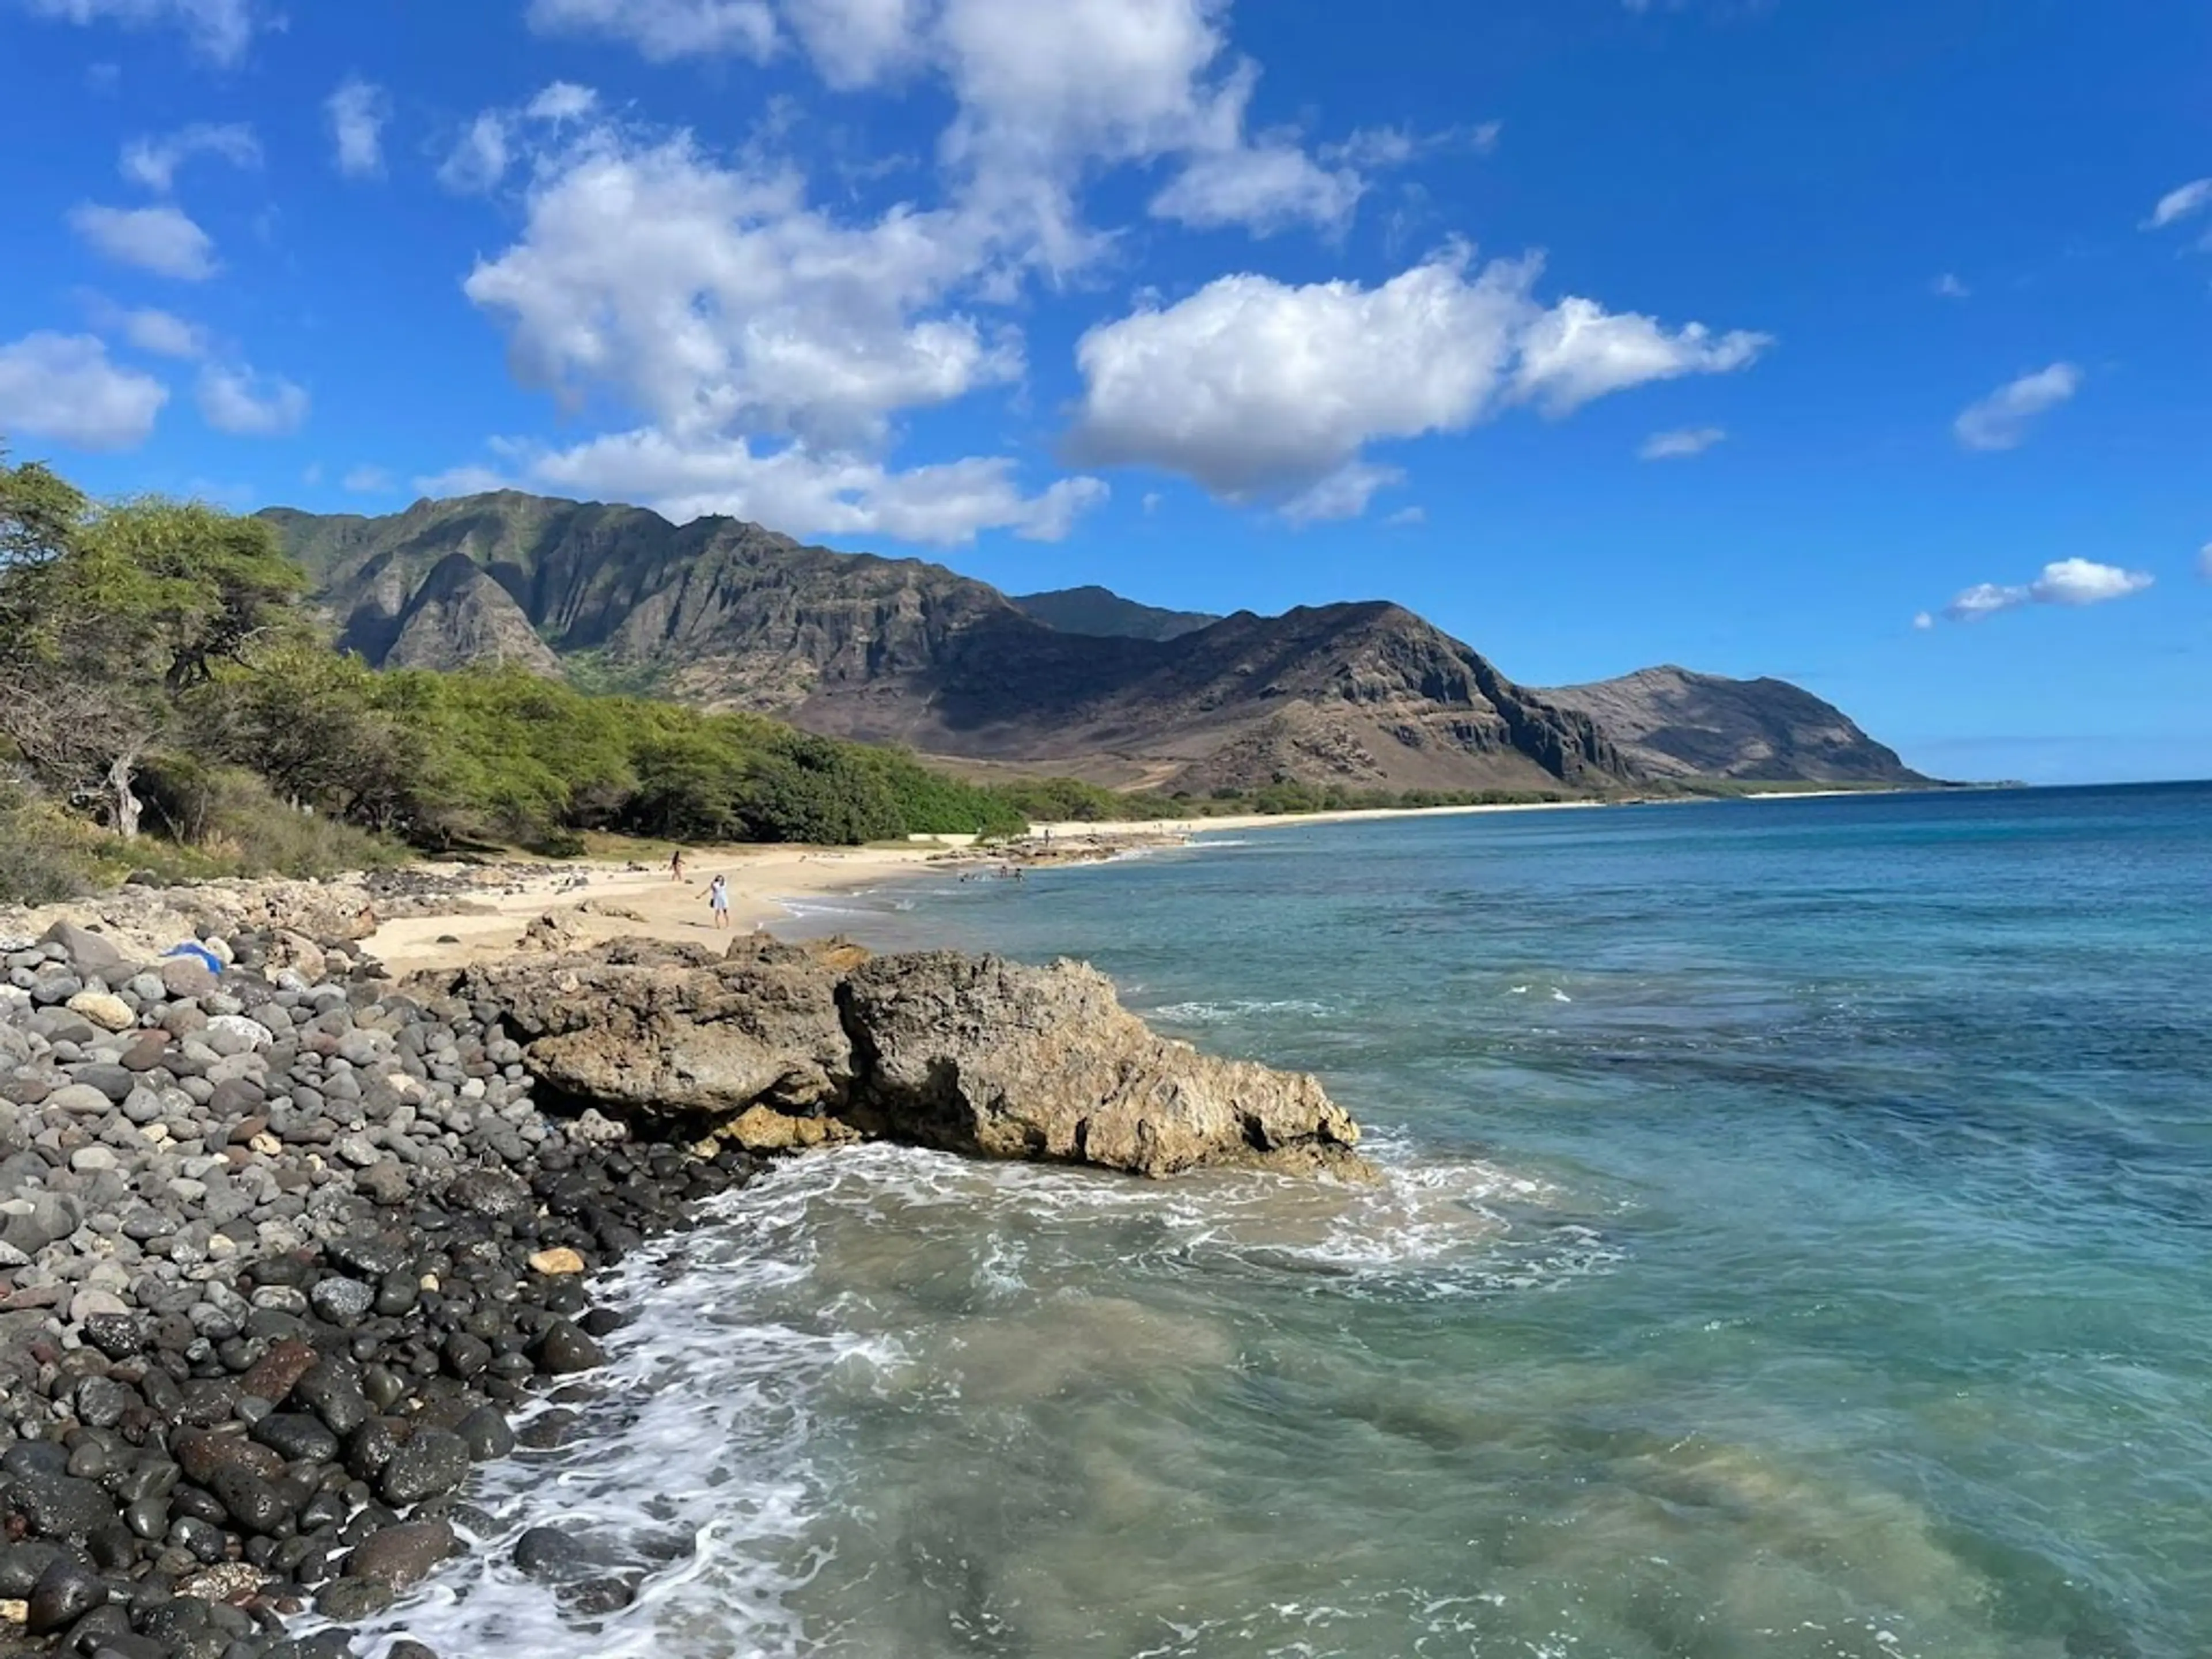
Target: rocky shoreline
[{"x": 282, "y": 1250}]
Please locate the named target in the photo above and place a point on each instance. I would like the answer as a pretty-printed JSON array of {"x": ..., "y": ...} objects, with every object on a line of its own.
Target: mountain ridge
[
  {"x": 1100, "y": 610},
  {"x": 728, "y": 615}
]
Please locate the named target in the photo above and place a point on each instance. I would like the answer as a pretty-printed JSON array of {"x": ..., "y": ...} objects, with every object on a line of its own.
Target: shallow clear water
[{"x": 1795, "y": 1243}]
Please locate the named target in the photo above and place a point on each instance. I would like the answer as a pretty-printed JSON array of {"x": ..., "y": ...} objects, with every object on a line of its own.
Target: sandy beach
[{"x": 605, "y": 899}]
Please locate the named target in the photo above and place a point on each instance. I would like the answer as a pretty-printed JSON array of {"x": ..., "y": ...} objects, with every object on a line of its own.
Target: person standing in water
[{"x": 718, "y": 900}]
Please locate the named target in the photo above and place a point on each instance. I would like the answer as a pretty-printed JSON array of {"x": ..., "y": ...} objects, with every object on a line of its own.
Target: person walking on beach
[
  {"x": 676, "y": 864},
  {"x": 718, "y": 900}
]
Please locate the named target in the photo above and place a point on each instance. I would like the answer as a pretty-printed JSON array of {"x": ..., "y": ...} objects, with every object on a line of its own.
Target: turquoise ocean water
[{"x": 1797, "y": 1242}]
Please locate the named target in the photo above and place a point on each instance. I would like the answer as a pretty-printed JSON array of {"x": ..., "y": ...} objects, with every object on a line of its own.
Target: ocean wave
[
  {"x": 704, "y": 1462},
  {"x": 1222, "y": 1014},
  {"x": 689, "y": 1468}
]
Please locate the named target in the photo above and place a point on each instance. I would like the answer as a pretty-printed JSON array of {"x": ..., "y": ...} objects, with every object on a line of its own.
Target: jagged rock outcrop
[
  {"x": 1000, "y": 1060},
  {"x": 461, "y": 617},
  {"x": 775, "y": 1047}
]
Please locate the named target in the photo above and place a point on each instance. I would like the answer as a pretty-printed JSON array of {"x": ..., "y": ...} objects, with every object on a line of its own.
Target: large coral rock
[
  {"x": 993, "y": 1058},
  {"x": 658, "y": 1029},
  {"x": 784, "y": 1048}
]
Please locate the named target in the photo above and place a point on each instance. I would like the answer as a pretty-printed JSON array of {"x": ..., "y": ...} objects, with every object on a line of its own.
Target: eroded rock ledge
[{"x": 774, "y": 1046}]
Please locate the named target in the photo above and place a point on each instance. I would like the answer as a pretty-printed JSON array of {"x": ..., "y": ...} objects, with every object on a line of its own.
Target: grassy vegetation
[{"x": 167, "y": 705}]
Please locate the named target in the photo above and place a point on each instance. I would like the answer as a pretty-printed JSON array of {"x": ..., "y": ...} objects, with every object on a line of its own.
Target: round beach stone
[
  {"x": 233, "y": 1034},
  {"x": 79, "y": 1100},
  {"x": 66, "y": 1592},
  {"x": 104, "y": 1008},
  {"x": 403, "y": 1555},
  {"x": 186, "y": 976},
  {"x": 296, "y": 1438},
  {"x": 343, "y": 1301},
  {"x": 433, "y": 1461}
]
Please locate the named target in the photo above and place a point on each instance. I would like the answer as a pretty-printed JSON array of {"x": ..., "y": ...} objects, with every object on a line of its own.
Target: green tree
[{"x": 115, "y": 613}]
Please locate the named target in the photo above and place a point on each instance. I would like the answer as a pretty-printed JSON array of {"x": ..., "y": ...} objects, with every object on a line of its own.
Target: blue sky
[{"x": 1863, "y": 344}]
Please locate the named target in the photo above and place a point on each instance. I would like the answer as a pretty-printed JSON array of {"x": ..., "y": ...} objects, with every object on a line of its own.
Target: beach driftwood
[{"x": 774, "y": 1045}]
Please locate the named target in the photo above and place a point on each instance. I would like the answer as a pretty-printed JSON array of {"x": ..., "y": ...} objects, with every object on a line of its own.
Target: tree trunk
[{"x": 123, "y": 797}]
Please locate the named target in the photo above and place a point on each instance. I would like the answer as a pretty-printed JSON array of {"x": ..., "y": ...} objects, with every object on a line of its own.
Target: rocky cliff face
[
  {"x": 730, "y": 616},
  {"x": 460, "y": 616},
  {"x": 1670, "y": 722}
]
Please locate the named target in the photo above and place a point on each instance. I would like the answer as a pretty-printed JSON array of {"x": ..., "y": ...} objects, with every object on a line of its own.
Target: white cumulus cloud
[
  {"x": 237, "y": 400},
  {"x": 219, "y": 29},
  {"x": 1681, "y": 444},
  {"x": 770, "y": 343},
  {"x": 1579, "y": 351},
  {"x": 857, "y": 43},
  {"x": 1256, "y": 388},
  {"x": 357, "y": 111},
  {"x": 563, "y": 100},
  {"x": 716, "y": 297},
  {"x": 666, "y": 29},
  {"x": 2177, "y": 205},
  {"x": 161, "y": 239},
  {"x": 2000, "y": 421},
  {"x": 153, "y": 162},
  {"x": 2072, "y": 582},
  {"x": 801, "y": 492},
  {"x": 63, "y": 387},
  {"x": 366, "y": 480}
]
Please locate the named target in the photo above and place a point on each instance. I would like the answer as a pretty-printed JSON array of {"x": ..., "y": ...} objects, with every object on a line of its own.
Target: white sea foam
[
  {"x": 1223, "y": 1013},
  {"x": 700, "y": 1458}
]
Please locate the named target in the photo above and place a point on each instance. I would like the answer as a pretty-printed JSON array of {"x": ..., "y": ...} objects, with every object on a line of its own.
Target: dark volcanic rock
[
  {"x": 65, "y": 1593},
  {"x": 432, "y": 1460},
  {"x": 403, "y": 1555},
  {"x": 296, "y": 1438},
  {"x": 564, "y": 1349}
]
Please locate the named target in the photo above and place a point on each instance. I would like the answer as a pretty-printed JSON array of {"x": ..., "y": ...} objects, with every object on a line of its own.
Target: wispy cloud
[
  {"x": 2074, "y": 583},
  {"x": 1949, "y": 286},
  {"x": 153, "y": 162},
  {"x": 368, "y": 481},
  {"x": 219, "y": 29},
  {"x": 357, "y": 112},
  {"x": 2205, "y": 561},
  {"x": 161, "y": 239},
  {"x": 2001, "y": 420},
  {"x": 160, "y": 333},
  {"x": 1681, "y": 444},
  {"x": 2184, "y": 203},
  {"x": 246, "y": 404}
]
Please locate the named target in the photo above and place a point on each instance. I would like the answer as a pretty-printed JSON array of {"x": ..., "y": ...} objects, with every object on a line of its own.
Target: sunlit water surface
[{"x": 1793, "y": 1242}]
